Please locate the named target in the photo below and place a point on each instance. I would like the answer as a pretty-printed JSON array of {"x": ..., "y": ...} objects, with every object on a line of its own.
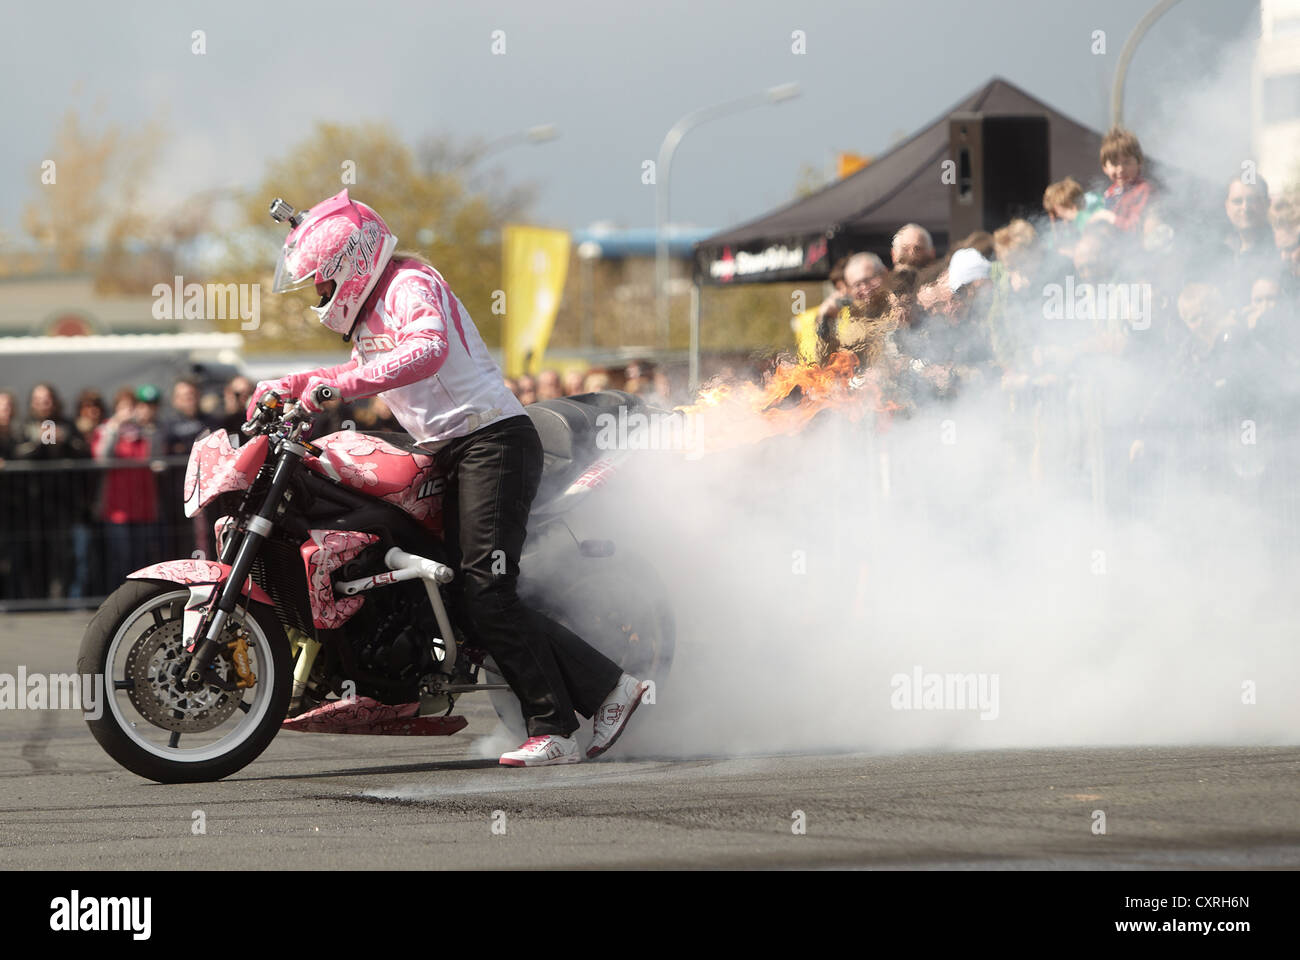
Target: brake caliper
[{"x": 239, "y": 654}]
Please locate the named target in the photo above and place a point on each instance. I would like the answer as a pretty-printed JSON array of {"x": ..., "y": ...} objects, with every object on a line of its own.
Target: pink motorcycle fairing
[
  {"x": 369, "y": 465},
  {"x": 196, "y": 573},
  {"x": 204, "y": 578},
  {"x": 366, "y": 716},
  {"x": 216, "y": 467},
  {"x": 325, "y": 552}
]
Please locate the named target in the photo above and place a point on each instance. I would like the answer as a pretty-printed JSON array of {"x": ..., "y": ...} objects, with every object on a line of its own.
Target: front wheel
[{"x": 156, "y": 728}]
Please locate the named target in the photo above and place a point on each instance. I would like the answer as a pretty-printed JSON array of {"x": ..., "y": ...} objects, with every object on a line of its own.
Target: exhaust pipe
[{"x": 432, "y": 573}]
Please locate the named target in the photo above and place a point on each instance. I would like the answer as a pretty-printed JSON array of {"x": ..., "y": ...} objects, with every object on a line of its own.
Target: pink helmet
[{"x": 340, "y": 240}]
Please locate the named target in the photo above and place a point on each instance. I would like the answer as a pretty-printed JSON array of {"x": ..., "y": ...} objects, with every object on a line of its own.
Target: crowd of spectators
[
  {"x": 639, "y": 377},
  {"x": 1177, "y": 333},
  {"x": 1180, "y": 327}
]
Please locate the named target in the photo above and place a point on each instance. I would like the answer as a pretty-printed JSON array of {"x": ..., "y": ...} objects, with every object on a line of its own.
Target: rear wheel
[
  {"x": 620, "y": 607},
  {"x": 153, "y": 726}
]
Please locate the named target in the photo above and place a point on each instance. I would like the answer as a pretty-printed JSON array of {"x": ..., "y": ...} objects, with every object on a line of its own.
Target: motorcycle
[{"x": 331, "y": 608}]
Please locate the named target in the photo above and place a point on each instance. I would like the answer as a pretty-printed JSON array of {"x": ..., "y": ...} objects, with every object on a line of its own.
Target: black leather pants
[{"x": 492, "y": 478}]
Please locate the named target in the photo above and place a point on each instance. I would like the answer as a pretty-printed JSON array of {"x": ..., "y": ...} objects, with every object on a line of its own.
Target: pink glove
[
  {"x": 308, "y": 399},
  {"x": 263, "y": 386}
]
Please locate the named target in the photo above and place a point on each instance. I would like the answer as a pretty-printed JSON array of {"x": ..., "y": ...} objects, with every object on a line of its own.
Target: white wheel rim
[{"x": 263, "y": 665}]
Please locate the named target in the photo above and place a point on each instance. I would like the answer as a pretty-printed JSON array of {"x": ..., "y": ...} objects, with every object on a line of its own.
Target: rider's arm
[
  {"x": 294, "y": 383},
  {"x": 417, "y": 356},
  {"x": 416, "y": 308}
]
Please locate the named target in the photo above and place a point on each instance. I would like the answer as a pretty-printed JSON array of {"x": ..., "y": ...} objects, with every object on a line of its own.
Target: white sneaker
[
  {"x": 614, "y": 713},
  {"x": 543, "y": 751}
]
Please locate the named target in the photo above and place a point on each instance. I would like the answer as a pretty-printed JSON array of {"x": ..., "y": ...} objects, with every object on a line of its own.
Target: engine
[{"x": 390, "y": 634}]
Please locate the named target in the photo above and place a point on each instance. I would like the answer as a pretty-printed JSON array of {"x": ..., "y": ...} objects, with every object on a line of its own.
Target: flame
[{"x": 728, "y": 414}]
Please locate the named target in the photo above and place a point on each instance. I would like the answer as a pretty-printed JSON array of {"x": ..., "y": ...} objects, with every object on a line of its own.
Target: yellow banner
[{"x": 536, "y": 263}]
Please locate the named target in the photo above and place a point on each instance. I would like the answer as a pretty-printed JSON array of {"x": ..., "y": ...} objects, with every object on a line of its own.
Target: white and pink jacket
[{"x": 417, "y": 347}]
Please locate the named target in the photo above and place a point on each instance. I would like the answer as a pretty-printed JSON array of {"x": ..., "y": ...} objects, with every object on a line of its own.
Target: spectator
[
  {"x": 54, "y": 503},
  {"x": 866, "y": 330},
  {"x": 1070, "y": 209},
  {"x": 90, "y": 412},
  {"x": 548, "y": 385},
  {"x": 597, "y": 379},
  {"x": 1265, "y": 293},
  {"x": 1095, "y": 254},
  {"x": 129, "y": 506},
  {"x": 912, "y": 247},
  {"x": 177, "y": 431},
  {"x": 88, "y": 578},
  {"x": 527, "y": 389},
  {"x": 662, "y": 393},
  {"x": 864, "y": 273},
  {"x": 1129, "y": 191},
  {"x": 951, "y": 346},
  {"x": 636, "y": 377},
  {"x": 1016, "y": 286},
  {"x": 1249, "y": 238},
  {"x": 572, "y": 382},
  {"x": 1285, "y": 219},
  {"x": 8, "y": 429},
  {"x": 513, "y": 386},
  {"x": 234, "y": 399},
  {"x": 1247, "y": 208}
]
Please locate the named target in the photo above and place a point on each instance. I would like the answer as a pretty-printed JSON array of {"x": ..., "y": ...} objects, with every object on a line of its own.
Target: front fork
[{"x": 258, "y": 528}]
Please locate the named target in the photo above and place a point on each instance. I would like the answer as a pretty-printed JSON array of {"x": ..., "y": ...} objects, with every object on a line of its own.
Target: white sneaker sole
[{"x": 549, "y": 762}]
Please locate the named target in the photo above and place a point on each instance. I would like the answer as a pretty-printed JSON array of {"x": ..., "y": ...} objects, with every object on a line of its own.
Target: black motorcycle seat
[{"x": 568, "y": 425}]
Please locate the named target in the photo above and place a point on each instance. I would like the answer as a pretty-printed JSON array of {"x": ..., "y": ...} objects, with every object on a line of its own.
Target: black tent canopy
[{"x": 801, "y": 240}]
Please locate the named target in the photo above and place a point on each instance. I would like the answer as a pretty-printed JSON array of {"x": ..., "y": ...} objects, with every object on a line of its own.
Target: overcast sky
[{"x": 614, "y": 76}]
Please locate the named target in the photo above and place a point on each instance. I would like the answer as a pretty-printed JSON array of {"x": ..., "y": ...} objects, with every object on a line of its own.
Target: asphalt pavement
[{"x": 331, "y": 801}]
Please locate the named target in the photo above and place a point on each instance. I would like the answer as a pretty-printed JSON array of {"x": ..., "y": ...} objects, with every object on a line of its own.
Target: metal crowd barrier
[{"x": 57, "y": 551}]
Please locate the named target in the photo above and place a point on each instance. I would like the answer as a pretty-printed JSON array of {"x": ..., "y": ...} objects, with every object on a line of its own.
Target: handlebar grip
[{"x": 324, "y": 393}]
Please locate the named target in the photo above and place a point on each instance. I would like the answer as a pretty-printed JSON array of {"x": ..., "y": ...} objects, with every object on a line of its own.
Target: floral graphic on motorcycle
[
  {"x": 216, "y": 467},
  {"x": 325, "y": 552},
  {"x": 367, "y": 463},
  {"x": 182, "y": 571}
]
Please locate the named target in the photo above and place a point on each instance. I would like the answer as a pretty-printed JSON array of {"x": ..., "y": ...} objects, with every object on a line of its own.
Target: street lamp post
[
  {"x": 1125, "y": 55},
  {"x": 663, "y": 165},
  {"x": 542, "y": 133}
]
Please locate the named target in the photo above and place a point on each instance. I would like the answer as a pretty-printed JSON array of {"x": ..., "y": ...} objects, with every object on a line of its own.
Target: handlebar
[{"x": 293, "y": 413}]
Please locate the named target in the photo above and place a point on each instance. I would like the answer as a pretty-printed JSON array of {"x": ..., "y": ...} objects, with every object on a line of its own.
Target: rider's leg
[
  {"x": 496, "y": 473},
  {"x": 588, "y": 674}
]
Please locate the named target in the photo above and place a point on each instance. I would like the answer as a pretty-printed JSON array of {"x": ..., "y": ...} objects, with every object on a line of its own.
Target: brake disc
[{"x": 161, "y": 699}]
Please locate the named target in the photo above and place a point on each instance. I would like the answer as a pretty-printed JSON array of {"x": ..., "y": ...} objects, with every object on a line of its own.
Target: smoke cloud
[{"x": 1107, "y": 557}]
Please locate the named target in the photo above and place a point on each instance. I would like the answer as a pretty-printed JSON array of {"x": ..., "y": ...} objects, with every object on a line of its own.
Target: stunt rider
[{"x": 415, "y": 345}]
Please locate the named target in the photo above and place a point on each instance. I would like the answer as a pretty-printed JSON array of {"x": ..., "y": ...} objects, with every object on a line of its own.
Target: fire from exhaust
[{"x": 729, "y": 414}]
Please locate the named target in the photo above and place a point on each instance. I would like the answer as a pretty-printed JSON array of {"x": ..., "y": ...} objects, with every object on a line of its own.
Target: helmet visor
[{"x": 285, "y": 277}]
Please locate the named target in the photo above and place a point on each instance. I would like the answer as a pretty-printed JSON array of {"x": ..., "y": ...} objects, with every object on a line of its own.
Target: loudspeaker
[{"x": 1001, "y": 165}]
